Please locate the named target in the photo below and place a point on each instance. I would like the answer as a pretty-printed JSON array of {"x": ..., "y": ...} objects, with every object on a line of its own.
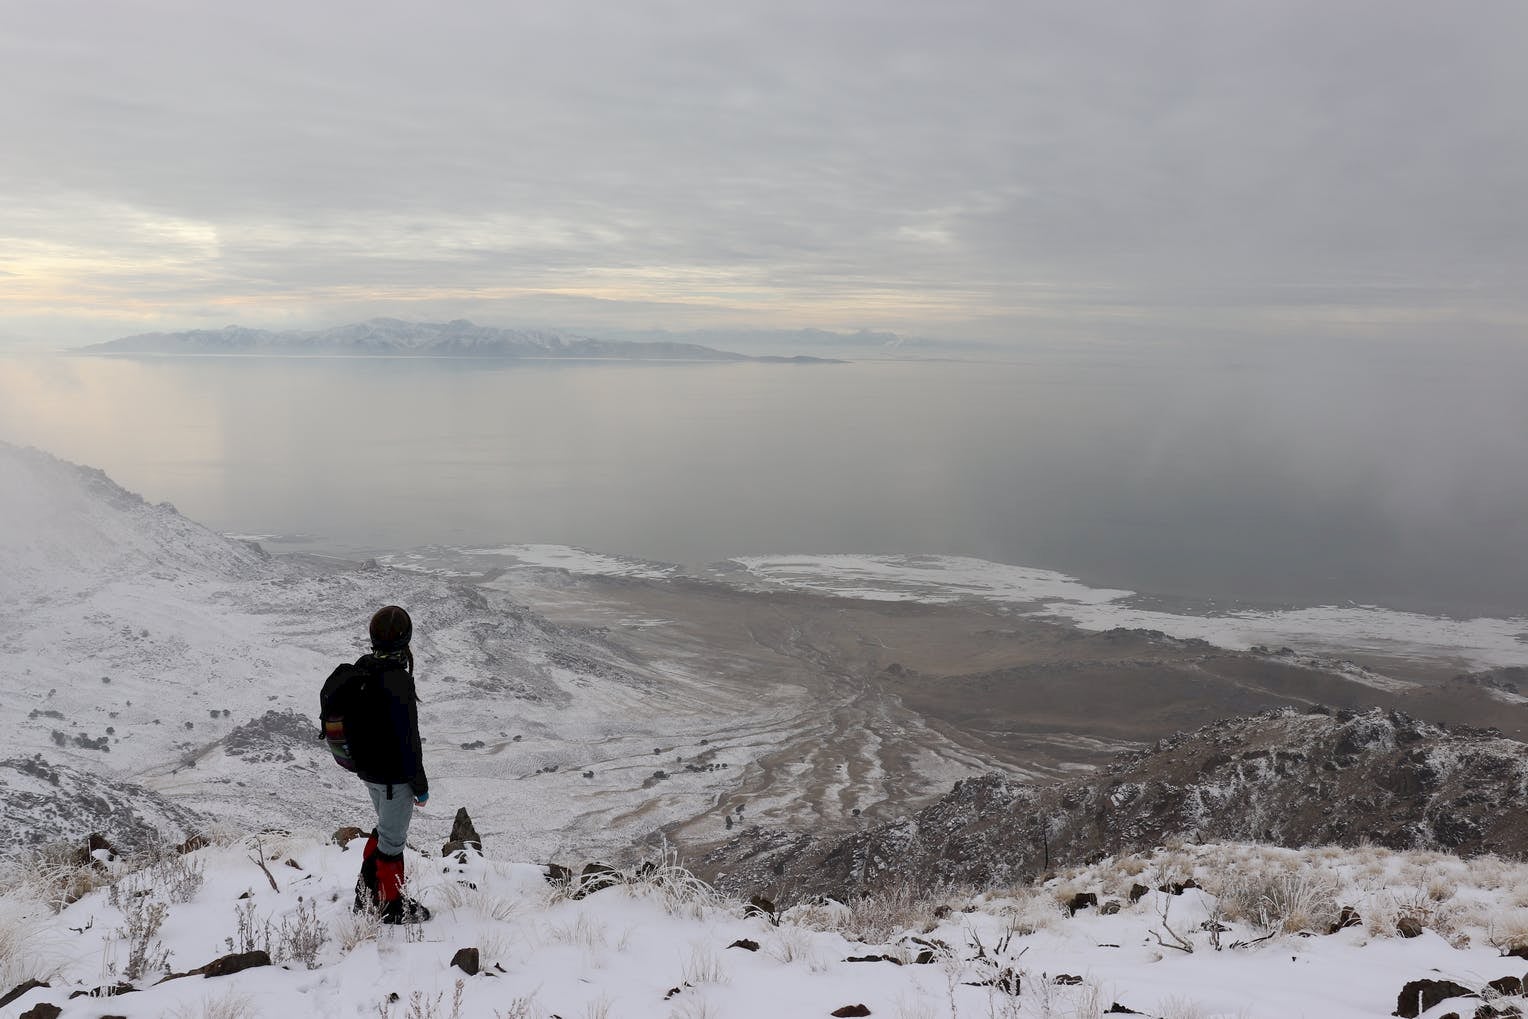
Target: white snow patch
[{"x": 1360, "y": 629}]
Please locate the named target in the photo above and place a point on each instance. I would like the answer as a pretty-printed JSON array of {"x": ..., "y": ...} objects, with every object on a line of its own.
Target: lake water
[{"x": 1291, "y": 476}]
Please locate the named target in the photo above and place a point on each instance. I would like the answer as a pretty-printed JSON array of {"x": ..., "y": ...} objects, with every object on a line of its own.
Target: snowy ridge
[
  {"x": 69, "y": 526},
  {"x": 1483, "y": 642}
]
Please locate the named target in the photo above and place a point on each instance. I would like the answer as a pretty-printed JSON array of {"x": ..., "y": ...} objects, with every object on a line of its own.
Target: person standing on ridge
[{"x": 391, "y": 765}]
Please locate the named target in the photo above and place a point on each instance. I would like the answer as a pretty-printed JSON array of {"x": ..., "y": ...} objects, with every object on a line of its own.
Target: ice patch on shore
[
  {"x": 925, "y": 578},
  {"x": 463, "y": 562},
  {"x": 1351, "y": 629}
]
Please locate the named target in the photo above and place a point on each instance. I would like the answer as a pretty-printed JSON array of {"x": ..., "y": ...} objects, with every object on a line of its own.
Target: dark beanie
[{"x": 391, "y": 629}]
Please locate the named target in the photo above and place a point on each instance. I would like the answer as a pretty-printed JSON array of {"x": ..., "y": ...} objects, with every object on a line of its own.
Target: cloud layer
[{"x": 964, "y": 168}]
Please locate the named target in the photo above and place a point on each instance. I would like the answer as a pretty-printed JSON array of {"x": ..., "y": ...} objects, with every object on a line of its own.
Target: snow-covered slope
[
  {"x": 144, "y": 649},
  {"x": 1267, "y": 934}
]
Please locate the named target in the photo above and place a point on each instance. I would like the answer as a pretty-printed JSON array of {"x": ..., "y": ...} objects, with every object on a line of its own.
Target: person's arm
[
  {"x": 405, "y": 716},
  {"x": 419, "y": 782}
]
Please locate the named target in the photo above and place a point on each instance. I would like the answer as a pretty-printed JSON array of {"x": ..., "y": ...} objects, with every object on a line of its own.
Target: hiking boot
[
  {"x": 404, "y": 910},
  {"x": 394, "y": 906}
]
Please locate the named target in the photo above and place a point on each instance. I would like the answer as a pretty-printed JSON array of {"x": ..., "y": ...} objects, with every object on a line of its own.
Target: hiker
[{"x": 385, "y": 715}]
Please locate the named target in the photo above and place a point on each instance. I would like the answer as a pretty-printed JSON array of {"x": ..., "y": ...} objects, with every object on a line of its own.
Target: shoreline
[{"x": 1358, "y": 632}]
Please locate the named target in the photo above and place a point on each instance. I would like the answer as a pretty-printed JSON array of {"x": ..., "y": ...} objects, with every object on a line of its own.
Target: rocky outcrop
[
  {"x": 1284, "y": 778},
  {"x": 464, "y": 835},
  {"x": 47, "y": 802},
  {"x": 276, "y": 737}
]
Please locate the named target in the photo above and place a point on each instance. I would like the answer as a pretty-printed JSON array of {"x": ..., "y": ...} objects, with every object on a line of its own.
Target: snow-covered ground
[
  {"x": 663, "y": 947},
  {"x": 136, "y": 645}
]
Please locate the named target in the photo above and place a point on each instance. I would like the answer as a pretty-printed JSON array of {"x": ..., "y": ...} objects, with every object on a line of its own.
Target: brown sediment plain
[{"x": 899, "y": 699}]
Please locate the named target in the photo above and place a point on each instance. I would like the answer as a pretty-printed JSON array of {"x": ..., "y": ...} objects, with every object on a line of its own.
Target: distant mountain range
[{"x": 394, "y": 337}]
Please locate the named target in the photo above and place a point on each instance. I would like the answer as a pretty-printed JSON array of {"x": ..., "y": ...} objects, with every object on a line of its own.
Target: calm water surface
[{"x": 1393, "y": 477}]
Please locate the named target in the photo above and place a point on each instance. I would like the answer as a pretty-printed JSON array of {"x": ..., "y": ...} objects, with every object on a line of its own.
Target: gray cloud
[{"x": 964, "y": 167}]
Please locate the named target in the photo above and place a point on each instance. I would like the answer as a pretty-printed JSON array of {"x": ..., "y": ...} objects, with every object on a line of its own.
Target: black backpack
[{"x": 352, "y": 709}]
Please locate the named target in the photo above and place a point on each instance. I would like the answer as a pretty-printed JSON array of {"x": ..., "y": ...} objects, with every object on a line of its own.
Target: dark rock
[
  {"x": 1118, "y": 1009},
  {"x": 1518, "y": 952},
  {"x": 676, "y": 990},
  {"x": 556, "y": 873},
  {"x": 1420, "y": 995},
  {"x": 1008, "y": 981},
  {"x": 463, "y": 835},
  {"x": 1498, "y": 1012},
  {"x": 1066, "y": 980},
  {"x": 1110, "y": 908},
  {"x": 596, "y": 877},
  {"x": 105, "y": 991},
  {"x": 466, "y": 960},
  {"x": 42, "y": 1011},
  {"x": 1138, "y": 892},
  {"x": 193, "y": 843},
  {"x": 1347, "y": 918},
  {"x": 746, "y": 944},
  {"x": 238, "y": 962},
  {"x": 95, "y": 842},
  {"x": 758, "y": 905},
  {"x": 850, "y": 1010},
  {"x": 1409, "y": 927},
  {"x": 1508, "y": 986},
  {"x": 19, "y": 990},
  {"x": 1082, "y": 900},
  {"x": 344, "y": 836}
]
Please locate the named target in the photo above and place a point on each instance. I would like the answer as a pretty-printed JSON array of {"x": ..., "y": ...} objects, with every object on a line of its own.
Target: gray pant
[{"x": 393, "y": 815}]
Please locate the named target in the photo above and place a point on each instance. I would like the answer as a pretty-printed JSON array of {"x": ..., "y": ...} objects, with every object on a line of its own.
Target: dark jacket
[{"x": 399, "y": 760}]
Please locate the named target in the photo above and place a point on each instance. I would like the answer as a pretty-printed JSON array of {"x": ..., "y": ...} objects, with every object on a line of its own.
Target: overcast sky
[{"x": 948, "y": 169}]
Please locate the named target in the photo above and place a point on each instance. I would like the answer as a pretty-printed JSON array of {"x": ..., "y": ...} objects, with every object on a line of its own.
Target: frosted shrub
[
  {"x": 142, "y": 917},
  {"x": 1305, "y": 900},
  {"x": 887, "y": 912},
  {"x": 52, "y": 875},
  {"x": 697, "y": 1007},
  {"x": 1030, "y": 913},
  {"x": 23, "y": 938},
  {"x": 301, "y": 935},
  {"x": 231, "y": 1006},
  {"x": 584, "y": 931},
  {"x": 355, "y": 929},
  {"x": 251, "y": 933},
  {"x": 683, "y": 893},
  {"x": 704, "y": 967},
  {"x": 177, "y": 876},
  {"x": 522, "y": 1008},
  {"x": 1508, "y": 930}
]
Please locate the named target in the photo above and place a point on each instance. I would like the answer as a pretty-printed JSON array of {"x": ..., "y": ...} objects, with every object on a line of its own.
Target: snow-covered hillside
[
  {"x": 153, "y": 672},
  {"x": 1201, "y": 932}
]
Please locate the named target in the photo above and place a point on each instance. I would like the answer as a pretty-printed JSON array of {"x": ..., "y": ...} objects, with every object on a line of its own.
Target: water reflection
[{"x": 1398, "y": 477}]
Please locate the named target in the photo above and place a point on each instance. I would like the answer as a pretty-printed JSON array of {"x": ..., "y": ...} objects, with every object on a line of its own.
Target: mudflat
[{"x": 893, "y": 701}]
